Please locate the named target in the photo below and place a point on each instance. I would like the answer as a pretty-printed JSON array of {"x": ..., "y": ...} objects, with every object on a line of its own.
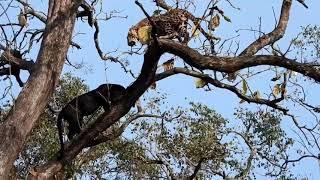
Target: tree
[{"x": 223, "y": 67}]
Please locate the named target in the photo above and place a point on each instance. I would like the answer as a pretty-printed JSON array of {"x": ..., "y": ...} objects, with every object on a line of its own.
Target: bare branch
[
  {"x": 285, "y": 164},
  {"x": 31, "y": 11},
  {"x": 7, "y": 56},
  {"x": 270, "y": 103},
  {"x": 274, "y": 35}
]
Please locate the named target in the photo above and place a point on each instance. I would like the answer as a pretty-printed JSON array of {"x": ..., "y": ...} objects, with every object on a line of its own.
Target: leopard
[{"x": 170, "y": 25}]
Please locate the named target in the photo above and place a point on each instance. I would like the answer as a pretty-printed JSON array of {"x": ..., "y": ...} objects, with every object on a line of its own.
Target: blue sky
[{"x": 181, "y": 89}]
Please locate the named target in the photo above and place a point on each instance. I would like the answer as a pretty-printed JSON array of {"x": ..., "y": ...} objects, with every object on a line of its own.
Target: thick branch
[
  {"x": 15, "y": 62},
  {"x": 119, "y": 109},
  {"x": 7, "y": 56},
  {"x": 87, "y": 11},
  {"x": 233, "y": 64}
]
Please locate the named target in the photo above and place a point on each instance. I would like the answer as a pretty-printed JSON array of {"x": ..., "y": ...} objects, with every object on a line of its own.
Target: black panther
[{"x": 87, "y": 104}]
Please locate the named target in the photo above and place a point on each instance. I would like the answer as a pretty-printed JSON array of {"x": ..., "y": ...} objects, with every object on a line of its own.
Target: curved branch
[
  {"x": 274, "y": 35},
  {"x": 119, "y": 109},
  {"x": 14, "y": 60},
  {"x": 245, "y": 171},
  {"x": 284, "y": 165}
]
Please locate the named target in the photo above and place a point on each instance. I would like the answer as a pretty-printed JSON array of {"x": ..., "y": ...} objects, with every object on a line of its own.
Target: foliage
[{"x": 309, "y": 42}]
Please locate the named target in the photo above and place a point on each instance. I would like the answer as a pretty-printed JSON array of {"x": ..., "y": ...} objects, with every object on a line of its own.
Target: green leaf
[
  {"x": 226, "y": 18},
  {"x": 244, "y": 87}
]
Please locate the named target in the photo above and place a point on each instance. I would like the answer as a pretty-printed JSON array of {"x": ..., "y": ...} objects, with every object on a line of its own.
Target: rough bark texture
[{"x": 36, "y": 93}]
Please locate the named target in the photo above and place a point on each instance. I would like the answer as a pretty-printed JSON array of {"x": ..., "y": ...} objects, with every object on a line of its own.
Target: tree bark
[{"x": 41, "y": 83}]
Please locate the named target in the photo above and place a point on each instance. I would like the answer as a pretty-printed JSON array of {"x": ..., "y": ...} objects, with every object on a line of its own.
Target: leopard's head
[{"x": 132, "y": 37}]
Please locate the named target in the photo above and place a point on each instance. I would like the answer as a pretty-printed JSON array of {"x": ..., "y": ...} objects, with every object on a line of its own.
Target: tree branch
[
  {"x": 196, "y": 169},
  {"x": 43, "y": 18},
  {"x": 216, "y": 83},
  {"x": 233, "y": 64},
  {"x": 274, "y": 35},
  {"x": 10, "y": 58},
  {"x": 31, "y": 11}
]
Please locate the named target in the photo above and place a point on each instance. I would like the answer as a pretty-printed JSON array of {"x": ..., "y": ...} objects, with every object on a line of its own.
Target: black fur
[{"x": 85, "y": 105}]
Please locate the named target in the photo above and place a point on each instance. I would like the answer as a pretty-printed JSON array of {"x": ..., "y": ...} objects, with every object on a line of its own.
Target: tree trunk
[{"x": 41, "y": 83}]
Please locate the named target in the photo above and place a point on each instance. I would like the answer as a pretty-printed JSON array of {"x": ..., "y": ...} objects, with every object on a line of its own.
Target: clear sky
[{"x": 181, "y": 89}]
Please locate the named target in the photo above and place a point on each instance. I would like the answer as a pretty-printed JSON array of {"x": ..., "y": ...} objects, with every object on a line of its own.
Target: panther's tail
[{"x": 60, "y": 131}]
